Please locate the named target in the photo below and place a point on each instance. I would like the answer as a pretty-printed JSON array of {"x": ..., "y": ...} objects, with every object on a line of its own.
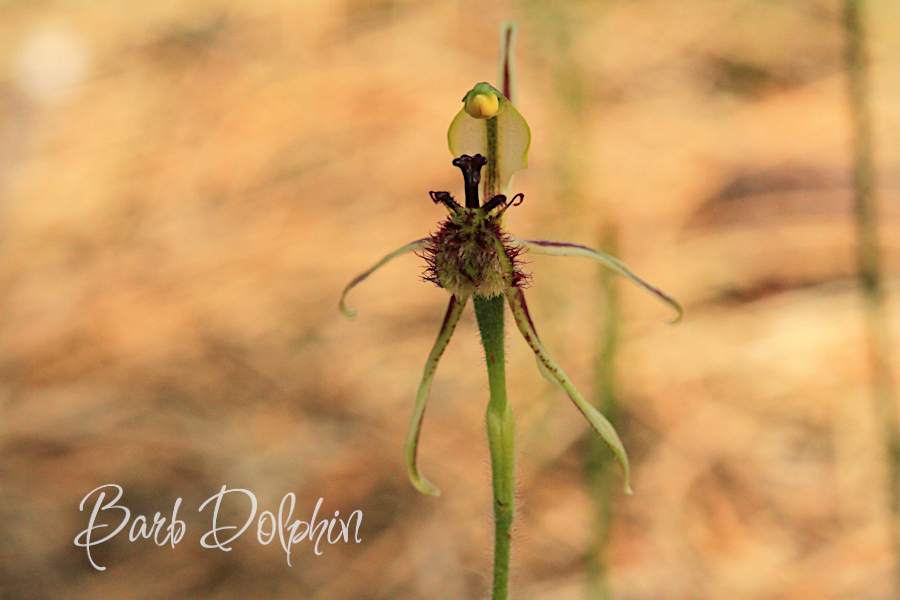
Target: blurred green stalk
[
  {"x": 600, "y": 461},
  {"x": 870, "y": 269},
  {"x": 571, "y": 85}
]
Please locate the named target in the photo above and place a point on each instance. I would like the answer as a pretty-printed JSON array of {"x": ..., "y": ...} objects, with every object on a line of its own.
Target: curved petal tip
[
  {"x": 347, "y": 312},
  {"x": 676, "y": 306},
  {"x": 423, "y": 486}
]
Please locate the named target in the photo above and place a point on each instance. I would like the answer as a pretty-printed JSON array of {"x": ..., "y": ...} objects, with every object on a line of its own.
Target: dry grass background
[{"x": 185, "y": 187}]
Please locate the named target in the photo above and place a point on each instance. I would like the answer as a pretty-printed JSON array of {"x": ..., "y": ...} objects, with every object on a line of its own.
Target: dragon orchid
[{"x": 472, "y": 256}]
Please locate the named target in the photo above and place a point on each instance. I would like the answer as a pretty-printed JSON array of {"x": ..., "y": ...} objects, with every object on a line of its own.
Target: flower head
[{"x": 471, "y": 255}]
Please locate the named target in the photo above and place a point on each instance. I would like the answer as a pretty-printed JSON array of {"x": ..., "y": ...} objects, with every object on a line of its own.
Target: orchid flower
[
  {"x": 473, "y": 257},
  {"x": 471, "y": 254}
]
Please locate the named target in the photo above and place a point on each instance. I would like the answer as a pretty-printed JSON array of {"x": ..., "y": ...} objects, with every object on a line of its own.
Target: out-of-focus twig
[
  {"x": 600, "y": 461},
  {"x": 869, "y": 256}
]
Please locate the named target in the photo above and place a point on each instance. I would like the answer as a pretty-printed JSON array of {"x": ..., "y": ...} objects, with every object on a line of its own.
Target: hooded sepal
[{"x": 488, "y": 124}]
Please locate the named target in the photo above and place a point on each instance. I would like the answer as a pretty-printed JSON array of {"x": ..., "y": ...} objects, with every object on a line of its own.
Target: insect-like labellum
[{"x": 470, "y": 254}]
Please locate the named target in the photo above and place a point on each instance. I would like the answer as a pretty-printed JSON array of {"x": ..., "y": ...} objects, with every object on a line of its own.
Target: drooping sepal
[
  {"x": 555, "y": 375},
  {"x": 451, "y": 318}
]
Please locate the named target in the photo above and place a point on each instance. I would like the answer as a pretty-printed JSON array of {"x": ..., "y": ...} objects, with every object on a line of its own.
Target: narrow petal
[
  {"x": 564, "y": 249},
  {"x": 549, "y": 369},
  {"x": 451, "y": 318},
  {"x": 507, "y": 75},
  {"x": 410, "y": 247}
]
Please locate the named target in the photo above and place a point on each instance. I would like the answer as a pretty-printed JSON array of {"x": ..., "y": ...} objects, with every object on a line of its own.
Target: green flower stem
[
  {"x": 490, "y": 315},
  {"x": 501, "y": 431},
  {"x": 500, "y": 421}
]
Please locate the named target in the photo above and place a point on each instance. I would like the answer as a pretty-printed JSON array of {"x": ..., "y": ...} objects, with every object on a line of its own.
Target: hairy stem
[
  {"x": 500, "y": 430},
  {"x": 490, "y": 314}
]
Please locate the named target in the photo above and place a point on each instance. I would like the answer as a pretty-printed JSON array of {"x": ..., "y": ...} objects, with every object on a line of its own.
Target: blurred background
[{"x": 186, "y": 187}]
